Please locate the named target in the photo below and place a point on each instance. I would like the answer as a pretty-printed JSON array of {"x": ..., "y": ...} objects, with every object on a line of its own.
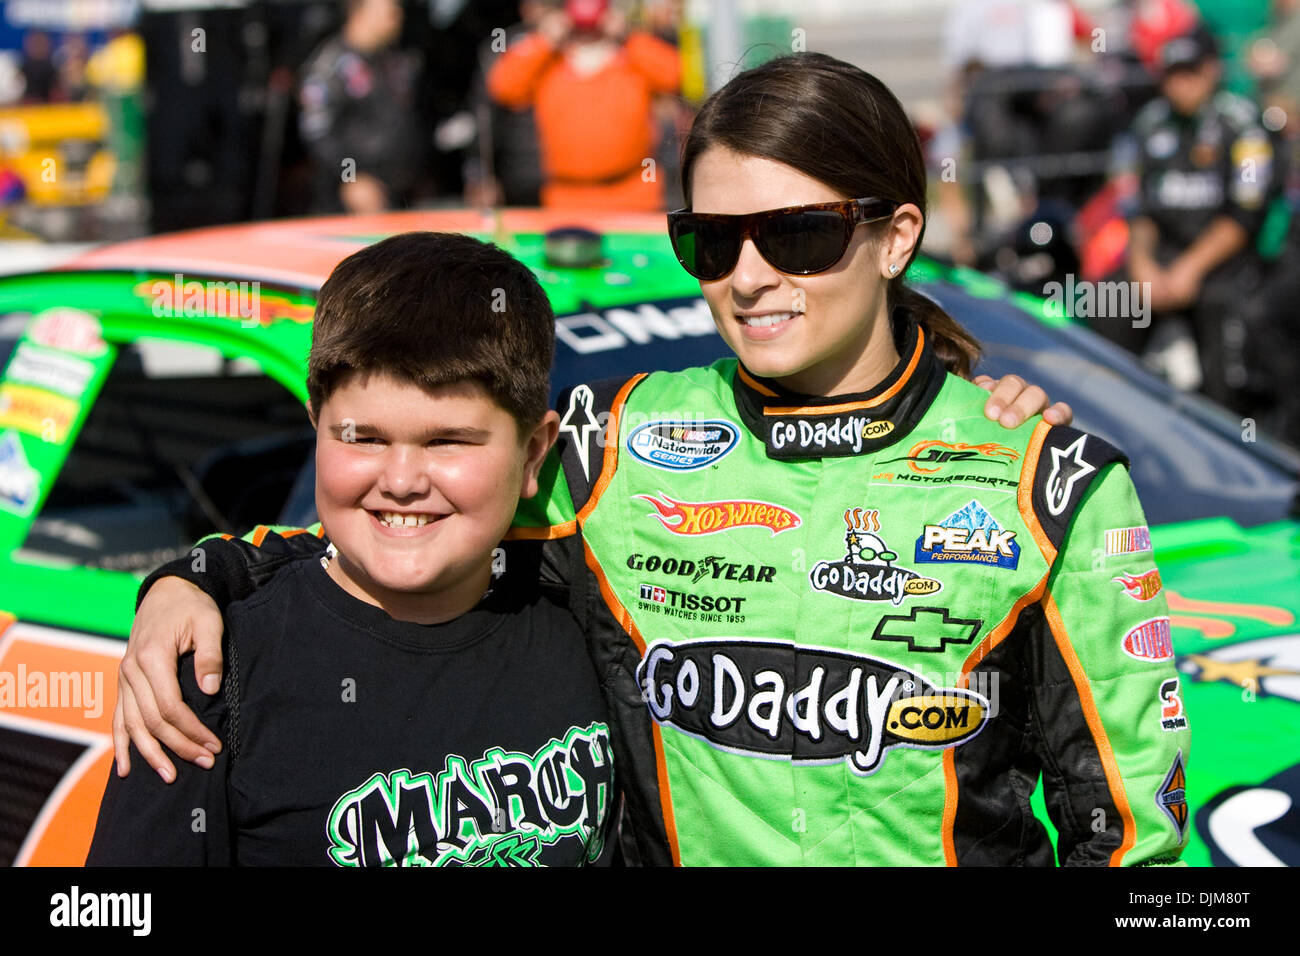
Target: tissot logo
[{"x": 780, "y": 700}]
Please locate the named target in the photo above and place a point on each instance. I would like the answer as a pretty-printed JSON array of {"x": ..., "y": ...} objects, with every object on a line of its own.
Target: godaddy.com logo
[{"x": 1098, "y": 300}]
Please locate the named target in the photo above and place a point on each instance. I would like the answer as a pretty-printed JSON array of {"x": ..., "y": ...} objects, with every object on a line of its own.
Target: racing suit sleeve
[
  {"x": 1106, "y": 716},
  {"x": 146, "y": 822},
  {"x": 229, "y": 569}
]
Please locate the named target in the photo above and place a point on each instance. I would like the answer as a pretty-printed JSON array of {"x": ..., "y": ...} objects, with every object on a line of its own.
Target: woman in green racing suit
[{"x": 841, "y": 617}]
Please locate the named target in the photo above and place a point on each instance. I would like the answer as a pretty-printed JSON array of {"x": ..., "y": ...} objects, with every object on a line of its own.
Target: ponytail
[{"x": 955, "y": 348}]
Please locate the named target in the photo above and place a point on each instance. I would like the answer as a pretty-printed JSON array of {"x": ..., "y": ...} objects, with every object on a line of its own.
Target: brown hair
[
  {"x": 433, "y": 309},
  {"x": 841, "y": 125}
]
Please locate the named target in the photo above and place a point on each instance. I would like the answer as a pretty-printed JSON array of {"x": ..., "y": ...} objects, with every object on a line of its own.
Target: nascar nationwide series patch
[
  {"x": 682, "y": 446},
  {"x": 780, "y": 700}
]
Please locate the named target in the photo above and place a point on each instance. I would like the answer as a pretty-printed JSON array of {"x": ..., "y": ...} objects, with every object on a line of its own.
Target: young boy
[{"x": 386, "y": 704}]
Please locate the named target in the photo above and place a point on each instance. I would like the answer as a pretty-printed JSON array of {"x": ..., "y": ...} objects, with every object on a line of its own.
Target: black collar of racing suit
[{"x": 795, "y": 426}]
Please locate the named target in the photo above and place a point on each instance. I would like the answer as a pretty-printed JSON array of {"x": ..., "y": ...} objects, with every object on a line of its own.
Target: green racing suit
[{"x": 856, "y": 630}]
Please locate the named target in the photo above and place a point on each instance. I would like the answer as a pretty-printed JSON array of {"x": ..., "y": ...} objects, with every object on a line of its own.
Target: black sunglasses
[{"x": 797, "y": 240}]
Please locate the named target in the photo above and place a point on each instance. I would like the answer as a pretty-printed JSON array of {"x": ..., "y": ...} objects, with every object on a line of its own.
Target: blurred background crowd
[{"x": 1078, "y": 148}]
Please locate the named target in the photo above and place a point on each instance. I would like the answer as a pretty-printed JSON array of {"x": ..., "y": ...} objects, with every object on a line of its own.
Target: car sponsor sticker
[
  {"x": 928, "y": 457},
  {"x": 1172, "y": 797},
  {"x": 780, "y": 700},
  {"x": 1150, "y": 641},
  {"x": 682, "y": 445},
  {"x": 37, "y": 412},
  {"x": 927, "y": 629},
  {"x": 45, "y": 368},
  {"x": 970, "y": 535},
  {"x": 711, "y": 517},
  {"x": 19, "y": 482},
  {"x": 1140, "y": 587},
  {"x": 1171, "y": 706},
  {"x": 1128, "y": 540},
  {"x": 867, "y": 571},
  {"x": 70, "y": 330}
]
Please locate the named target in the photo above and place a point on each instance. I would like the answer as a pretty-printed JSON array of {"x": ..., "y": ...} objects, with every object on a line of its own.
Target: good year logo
[{"x": 781, "y": 700}]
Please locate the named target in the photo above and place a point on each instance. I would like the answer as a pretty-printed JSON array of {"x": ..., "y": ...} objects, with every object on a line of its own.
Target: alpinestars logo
[
  {"x": 1068, "y": 468},
  {"x": 504, "y": 809},
  {"x": 581, "y": 425},
  {"x": 779, "y": 700},
  {"x": 867, "y": 571}
]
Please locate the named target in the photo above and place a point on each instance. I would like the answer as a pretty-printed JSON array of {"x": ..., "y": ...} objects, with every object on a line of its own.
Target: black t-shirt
[{"x": 352, "y": 739}]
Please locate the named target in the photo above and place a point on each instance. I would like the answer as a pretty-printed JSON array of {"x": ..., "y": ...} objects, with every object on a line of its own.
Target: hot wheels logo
[
  {"x": 710, "y": 517},
  {"x": 1141, "y": 587}
]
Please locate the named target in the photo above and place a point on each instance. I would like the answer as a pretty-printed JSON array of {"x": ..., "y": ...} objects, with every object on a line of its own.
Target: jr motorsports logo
[
  {"x": 682, "y": 446},
  {"x": 504, "y": 809},
  {"x": 780, "y": 700},
  {"x": 928, "y": 457},
  {"x": 867, "y": 571}
]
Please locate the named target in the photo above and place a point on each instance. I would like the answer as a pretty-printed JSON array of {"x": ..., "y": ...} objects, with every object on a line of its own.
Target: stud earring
[{"x": 893, "y": 269}]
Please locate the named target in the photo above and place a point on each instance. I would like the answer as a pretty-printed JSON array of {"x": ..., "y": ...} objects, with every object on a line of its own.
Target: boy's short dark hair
[{"x": 433, "y": 309}]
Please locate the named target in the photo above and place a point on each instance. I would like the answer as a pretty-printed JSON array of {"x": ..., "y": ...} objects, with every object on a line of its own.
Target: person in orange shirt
[{"x": 591, "y": 85}]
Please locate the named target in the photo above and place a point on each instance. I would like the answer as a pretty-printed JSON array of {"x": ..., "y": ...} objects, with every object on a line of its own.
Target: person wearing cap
[{"x": 1204, "y": 169}]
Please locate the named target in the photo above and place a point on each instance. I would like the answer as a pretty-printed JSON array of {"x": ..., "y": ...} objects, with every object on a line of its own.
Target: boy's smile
[{"x": 415, "y": 488}]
